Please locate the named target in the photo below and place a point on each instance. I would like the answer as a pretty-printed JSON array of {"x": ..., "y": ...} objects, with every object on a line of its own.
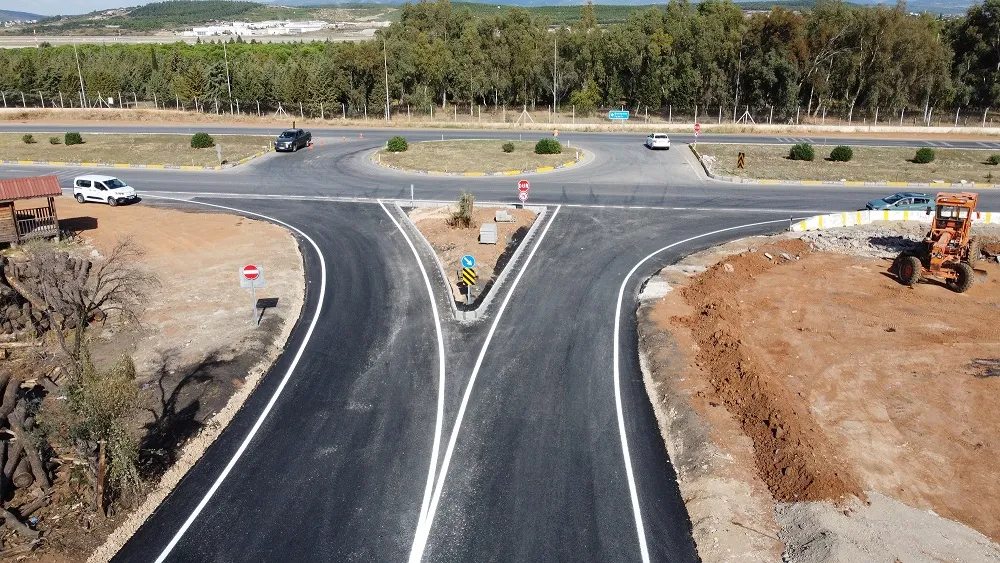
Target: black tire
[
  {"x": 963, "y": 282},
  {"x": 909, "y": 270},
  {"x": 112, "y": 202},
  {"x": 80, "y": 198},
  {"x": 975, "y": 251}
]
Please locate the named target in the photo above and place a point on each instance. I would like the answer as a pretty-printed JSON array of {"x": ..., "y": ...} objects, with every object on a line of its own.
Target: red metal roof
[{"x": 28, "y": 188}]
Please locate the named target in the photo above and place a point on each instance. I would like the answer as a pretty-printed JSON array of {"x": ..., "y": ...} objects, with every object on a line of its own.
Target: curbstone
[{"x": 867, "y": 217}]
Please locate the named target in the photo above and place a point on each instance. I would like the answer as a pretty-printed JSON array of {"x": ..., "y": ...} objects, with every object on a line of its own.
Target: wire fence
[{"x": 835, "y": 114}]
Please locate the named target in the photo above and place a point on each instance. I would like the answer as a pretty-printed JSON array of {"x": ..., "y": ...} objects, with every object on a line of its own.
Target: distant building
[{"x": 273, "y": 27}]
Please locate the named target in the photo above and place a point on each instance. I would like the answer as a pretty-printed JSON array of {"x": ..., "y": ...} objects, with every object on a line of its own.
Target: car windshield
[
  {"x": 893, "y": 198},
  {"x": 287, "y": 135},
  {"x": 114, "y": 183},
  {"x": 659, "y": 136}
]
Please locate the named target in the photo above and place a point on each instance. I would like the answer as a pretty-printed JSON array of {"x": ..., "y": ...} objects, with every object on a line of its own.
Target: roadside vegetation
[
  {"x": 133, "y": 149},
  {"x": 861, "y": 163},
  {"x": 833, "y": 62},
  {"x": 473, "y": 156}
]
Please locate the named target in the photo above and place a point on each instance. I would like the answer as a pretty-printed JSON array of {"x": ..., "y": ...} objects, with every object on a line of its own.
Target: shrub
[
  {"x": 548, "y": 146},
  {"x": 73, "y": 138},
  {"x": 924, "y": 156},
  {"x": 28, "y": 139},
  {"x": 202, "y": 141},
  {"x": 54, "y": 140},
  {"x": 397, "y": 144},
  {"x": 508, "y": 147},
  {"x": 841, "y": 154},
  {"x": 994, "y": 159},
  {"x": 463, "y": 217},
  {"x": 801, "y": 151}
]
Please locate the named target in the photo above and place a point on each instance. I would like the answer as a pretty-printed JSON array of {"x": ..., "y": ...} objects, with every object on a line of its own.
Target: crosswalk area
[{"x": 794, "y": 140}]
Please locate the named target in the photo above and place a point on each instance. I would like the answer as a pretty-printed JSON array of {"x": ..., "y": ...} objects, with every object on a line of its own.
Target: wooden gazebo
[{"x": 18, "y": 225}]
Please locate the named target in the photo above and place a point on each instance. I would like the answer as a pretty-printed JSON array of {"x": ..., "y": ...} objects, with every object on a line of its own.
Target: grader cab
[{"x": 948, "y": 251}]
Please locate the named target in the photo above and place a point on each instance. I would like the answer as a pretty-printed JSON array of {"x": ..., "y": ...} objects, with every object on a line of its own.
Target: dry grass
[
  {"x": 130, "y": 149},
  {"x": 473, "y": 156},
  {"x": 893, "y": 164}
]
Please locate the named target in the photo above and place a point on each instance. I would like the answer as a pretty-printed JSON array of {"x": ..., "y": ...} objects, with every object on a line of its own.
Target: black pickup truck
[{"x": 292, "y": 140}]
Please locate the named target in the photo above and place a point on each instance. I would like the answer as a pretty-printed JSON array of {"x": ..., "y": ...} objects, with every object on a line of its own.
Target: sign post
[
  {"x": 253, "y": 277},
  {"x": 621, "y": 115},
  {"x": 522, "y": 190},
  {"x": 468, "y": 276}
]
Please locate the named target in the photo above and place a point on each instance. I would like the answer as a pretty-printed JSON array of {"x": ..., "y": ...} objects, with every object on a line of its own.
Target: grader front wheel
[{"x": 963, "y": 280}]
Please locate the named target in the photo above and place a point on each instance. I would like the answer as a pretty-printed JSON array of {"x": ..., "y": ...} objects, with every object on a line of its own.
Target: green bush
[
  {"x": 508, "y": 147},
  {"x": 994, "y": 159},
  {"x": 397, "y": 144},
  {"x": 54, "y": 140},
  {"x": 202, "y": 141},
  {"x": 841, "y": 154},
  {"x": 28, "y": 139},
  {"x": 548, "y": 146},
  {"x": 802, "y": 151},
  {"x": 73, "y": 138},
  {"x": 924, "y": 156}
]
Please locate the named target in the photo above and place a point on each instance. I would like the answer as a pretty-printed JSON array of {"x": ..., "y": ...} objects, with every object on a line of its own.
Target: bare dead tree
[{"x": 73, "y": 291}]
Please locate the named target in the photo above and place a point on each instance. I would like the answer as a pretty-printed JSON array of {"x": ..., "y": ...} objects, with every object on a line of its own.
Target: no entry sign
[
  {"x": 250, "y": 272},
  {"x": 523, "y": 185}
]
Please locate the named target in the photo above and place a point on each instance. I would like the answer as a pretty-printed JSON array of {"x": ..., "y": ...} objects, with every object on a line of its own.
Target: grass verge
[
  {"x": 131, "y": 149},
  {"x": 871, "y": 164},
  {"x": 473, "y": 156}
]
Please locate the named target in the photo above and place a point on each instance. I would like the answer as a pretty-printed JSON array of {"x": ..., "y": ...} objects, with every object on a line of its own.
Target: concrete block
[
  {"x": 488, "y": 234},
  {"x": 503, "y": 217}
]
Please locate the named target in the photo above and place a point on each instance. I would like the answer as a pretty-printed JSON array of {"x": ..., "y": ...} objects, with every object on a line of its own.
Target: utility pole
[
  {"x": 83, "y": 91},
  {"x": 229, "y": 85},
  {"x": 385, "y": 62},
  {"x": 555, "y": 55}
]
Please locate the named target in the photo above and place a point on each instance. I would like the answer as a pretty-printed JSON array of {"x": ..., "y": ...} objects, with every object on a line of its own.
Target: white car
[
  {"x": 105, "y": 189},
  {"x": 658, "y": 141}
]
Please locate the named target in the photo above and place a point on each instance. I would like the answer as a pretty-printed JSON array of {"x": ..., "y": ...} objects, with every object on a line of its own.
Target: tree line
[{"x": 839, "y": 56}]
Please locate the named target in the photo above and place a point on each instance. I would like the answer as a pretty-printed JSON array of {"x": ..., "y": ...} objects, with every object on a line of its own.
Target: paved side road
[{"x": 337, "y": 471}]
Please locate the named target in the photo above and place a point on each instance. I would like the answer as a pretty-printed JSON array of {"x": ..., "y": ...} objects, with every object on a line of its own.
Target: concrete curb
[
  {"x": 583, "y": 159},
  {"x": 123, "y": 165},
  {"x": 850, "y": 183},
  {"x": 481, "y": 310},
  {"x": 856, "y": 218}
]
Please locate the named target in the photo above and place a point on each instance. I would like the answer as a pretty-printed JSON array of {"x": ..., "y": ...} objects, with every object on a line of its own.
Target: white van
[{"x": 105, "y": 189}]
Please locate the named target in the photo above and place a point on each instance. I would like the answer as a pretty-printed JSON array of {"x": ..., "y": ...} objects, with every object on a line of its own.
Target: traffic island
[
  {"x": 465, "y": 253},
  {"x": 476, "y": 158},
  {"x": 803, "y": 393},
  {"x": 890, "y": 166},
  {"x": 130, "y": 150}
]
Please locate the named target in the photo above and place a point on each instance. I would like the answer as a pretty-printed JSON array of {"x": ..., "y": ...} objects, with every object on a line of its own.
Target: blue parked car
[{"x": 903, "y": 201}]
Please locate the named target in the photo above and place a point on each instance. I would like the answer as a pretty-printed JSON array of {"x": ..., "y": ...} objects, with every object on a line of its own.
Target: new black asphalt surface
[{"x": 338, "y": 469}]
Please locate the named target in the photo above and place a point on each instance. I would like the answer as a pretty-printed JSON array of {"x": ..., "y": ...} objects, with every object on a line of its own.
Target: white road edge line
[
  {"x": 439, "y": 422},
  {"x": 424, "y": 530},
  {"x": 274, "y": 398},
  {"x": 633, "y": 491}
]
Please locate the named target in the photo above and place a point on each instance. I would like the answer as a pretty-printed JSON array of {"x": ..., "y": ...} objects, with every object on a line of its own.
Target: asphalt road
[
  {"x": 529, "y": 426},
  {"x": 622, "y": 173}
]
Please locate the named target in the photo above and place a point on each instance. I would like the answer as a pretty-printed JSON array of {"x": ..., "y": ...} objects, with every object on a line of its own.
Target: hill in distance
[{"x": 9, "y": 15}]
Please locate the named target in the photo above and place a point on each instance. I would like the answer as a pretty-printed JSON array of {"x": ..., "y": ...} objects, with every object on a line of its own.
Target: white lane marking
[
  {"x": 947, "y": 144},
  {"x": 984, "y": 145},
  {"x": 274, "y": 398},
  {"x": 424, "y": 530},
  {"x": 439, "y": 422},
  {"x": 633, "y": 491}
]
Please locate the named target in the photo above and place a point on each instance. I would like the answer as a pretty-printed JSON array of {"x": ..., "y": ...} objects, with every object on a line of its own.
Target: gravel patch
[{"x": 880, "y": 239}]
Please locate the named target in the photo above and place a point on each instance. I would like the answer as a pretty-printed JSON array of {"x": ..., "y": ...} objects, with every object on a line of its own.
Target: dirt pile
[
  {"x": 792, "y": 454},
  {"x": 888, "y": 239}
]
